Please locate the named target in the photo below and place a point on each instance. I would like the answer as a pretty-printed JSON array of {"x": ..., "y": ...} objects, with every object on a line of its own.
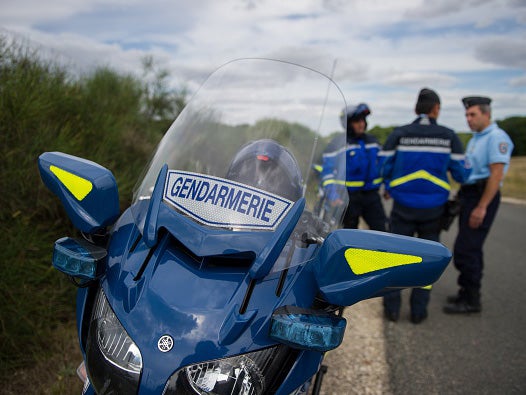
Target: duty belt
[
  {"x": 477, "y": 187},
  {"x": 363, "y": 191}
]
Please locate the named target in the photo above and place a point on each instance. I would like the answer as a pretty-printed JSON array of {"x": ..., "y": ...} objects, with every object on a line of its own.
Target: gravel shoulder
[{"x": 359, "y": 365}]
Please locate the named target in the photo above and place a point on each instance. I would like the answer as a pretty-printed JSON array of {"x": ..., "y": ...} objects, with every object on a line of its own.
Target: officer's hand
[
  {"x": 336, "y": 203},
  {"x": 334, "y": 194},
  {"x": 476, "y": 217}
]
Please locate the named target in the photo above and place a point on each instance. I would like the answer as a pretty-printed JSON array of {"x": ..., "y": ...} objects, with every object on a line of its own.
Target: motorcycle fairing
[
  {"x": 197, "y": 303},
  {"x": 203, "y": 241}
]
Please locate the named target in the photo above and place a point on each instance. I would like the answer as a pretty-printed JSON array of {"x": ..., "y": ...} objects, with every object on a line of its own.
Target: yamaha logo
[{"x": 165, "y": 343}]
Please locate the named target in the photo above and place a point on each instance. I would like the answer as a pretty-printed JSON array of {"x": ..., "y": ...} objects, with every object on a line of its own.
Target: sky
[{"x": 379, "y": 52}]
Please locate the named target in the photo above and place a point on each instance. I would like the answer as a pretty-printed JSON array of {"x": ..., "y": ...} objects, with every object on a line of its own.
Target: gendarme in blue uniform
[
  {"x": 358, "y": 156},
  {"x": 417, "y": 158},
  {"x": 351, "y": 166},
  {"x": 492, "y": 145}
]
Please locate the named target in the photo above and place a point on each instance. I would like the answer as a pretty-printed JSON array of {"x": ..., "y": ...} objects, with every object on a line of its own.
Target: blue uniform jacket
[
  {"x": 492, "y": 145},
  {"x": 352, "y": 163},
  {"x": 416, "y": 159}
]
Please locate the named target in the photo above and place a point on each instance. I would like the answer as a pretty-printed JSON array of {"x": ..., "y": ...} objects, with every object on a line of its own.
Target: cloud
[
  {"x": 519, "y": 81},
  {"x": 479, "y": 13},
  {"x": 417, "y": 79},
  {"x": 28, "y": 12},
  {"x": 440, "y": 8},
  {"x": 383, "y": 51},
  {"x": 503, "y": 51}
]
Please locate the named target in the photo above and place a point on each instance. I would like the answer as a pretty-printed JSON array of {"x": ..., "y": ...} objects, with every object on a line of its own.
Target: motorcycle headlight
[
  {"x": 253, "y": 373},
  {"x": 114, "y": 361}
]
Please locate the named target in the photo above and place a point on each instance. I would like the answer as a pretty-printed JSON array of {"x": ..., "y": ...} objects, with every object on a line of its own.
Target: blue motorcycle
[{"x": 219, "y": 278}]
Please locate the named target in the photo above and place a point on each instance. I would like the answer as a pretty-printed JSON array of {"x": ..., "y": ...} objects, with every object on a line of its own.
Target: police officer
[
  {"x": 488, "y": 154},
  {"x": 350, "y": 163},
  {"x": 417, "y": 158}
]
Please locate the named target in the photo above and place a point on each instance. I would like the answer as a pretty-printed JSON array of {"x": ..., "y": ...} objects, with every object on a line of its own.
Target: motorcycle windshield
[{"x": 246, "y": 146}]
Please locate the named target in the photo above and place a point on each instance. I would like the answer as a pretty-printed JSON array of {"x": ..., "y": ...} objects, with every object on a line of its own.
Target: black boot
[
  {"x": 459, "y": 297},
  {"x": 392, "y": 316},
  {"x": 419, "y": 300},
  {"x": 418, "y": 318},
  {"x": 465, "y": 303},
  {"x": 392, "y": 302}
]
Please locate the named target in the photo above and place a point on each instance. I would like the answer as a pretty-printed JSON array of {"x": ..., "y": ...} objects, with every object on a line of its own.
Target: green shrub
[{"x": 103, "y": 116}]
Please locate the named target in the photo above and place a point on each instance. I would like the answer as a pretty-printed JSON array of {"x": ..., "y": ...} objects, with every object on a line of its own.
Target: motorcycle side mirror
[
  {"x": 354, "y": 265},
  {"x": 87, "y": 190}
]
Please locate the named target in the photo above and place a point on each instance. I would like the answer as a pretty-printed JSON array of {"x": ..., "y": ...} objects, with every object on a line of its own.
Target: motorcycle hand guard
[
  {"x": 87, "y": 190},
  {"x": 354, "y": 265}
]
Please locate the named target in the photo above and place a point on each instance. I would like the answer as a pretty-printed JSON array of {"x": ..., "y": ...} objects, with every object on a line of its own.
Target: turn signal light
[
  {"x": 77, "y": 258},
  {"x": 307, "y": 329}
]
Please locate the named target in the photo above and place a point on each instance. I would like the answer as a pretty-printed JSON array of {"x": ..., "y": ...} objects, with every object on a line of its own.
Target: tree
[
  {"x": 160, "y": 101},
  {"x": 516, "y": 129},
  {"x": 381, "y": 133}
]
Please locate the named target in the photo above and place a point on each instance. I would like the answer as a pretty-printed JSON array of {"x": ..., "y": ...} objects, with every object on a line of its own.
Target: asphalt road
[{"x": 476, "y": 354}]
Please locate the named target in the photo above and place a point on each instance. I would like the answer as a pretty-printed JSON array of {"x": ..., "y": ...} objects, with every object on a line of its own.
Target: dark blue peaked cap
[{"x": 475, "y": 100}]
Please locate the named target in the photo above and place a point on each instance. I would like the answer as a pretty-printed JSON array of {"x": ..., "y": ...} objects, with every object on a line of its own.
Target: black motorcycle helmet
[
  {"x": 267, "y": 165},
  {"x": 349, "y": 113}
]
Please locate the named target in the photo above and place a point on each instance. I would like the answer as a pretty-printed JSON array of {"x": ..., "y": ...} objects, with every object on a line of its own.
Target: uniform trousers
[
  {"x": 467, "y": 253},
  {"x": 368, "y": 205},
  {"x": 409, "y": 221}
]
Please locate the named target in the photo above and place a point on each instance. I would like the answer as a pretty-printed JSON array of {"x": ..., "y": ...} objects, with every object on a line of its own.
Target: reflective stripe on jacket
[
  {"x": 352, "y": 163},
  {"x": 416, "y": 159}
]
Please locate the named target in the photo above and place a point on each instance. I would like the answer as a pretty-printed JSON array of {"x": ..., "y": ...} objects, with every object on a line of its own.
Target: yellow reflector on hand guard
[
  {"x": 367, "y": 261},
  {"x": 78, "y": 186}
]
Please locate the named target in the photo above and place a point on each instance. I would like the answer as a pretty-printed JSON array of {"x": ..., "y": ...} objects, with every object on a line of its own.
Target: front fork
[{"x": 319, "y": 379}]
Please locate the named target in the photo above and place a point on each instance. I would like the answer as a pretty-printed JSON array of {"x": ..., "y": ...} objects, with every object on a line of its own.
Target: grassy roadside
[
  {"x": 113, "y": 119},
  {"x": 515, "y": 181},
  {"x": 51, "y": 373}
]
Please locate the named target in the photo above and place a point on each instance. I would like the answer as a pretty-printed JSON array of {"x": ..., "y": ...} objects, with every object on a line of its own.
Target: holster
[{"x": 451, "y": 210}]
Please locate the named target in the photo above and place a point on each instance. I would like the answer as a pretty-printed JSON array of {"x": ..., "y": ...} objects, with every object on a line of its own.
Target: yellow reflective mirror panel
[
  {"x": 78, "y": 186},
  {"x": 367, "y": 261}
]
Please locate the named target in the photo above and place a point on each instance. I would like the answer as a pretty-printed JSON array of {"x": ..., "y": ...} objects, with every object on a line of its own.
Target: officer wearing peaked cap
[
  {"x": 471, "y": 101},
  {"x": 488, "y": 154}
]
